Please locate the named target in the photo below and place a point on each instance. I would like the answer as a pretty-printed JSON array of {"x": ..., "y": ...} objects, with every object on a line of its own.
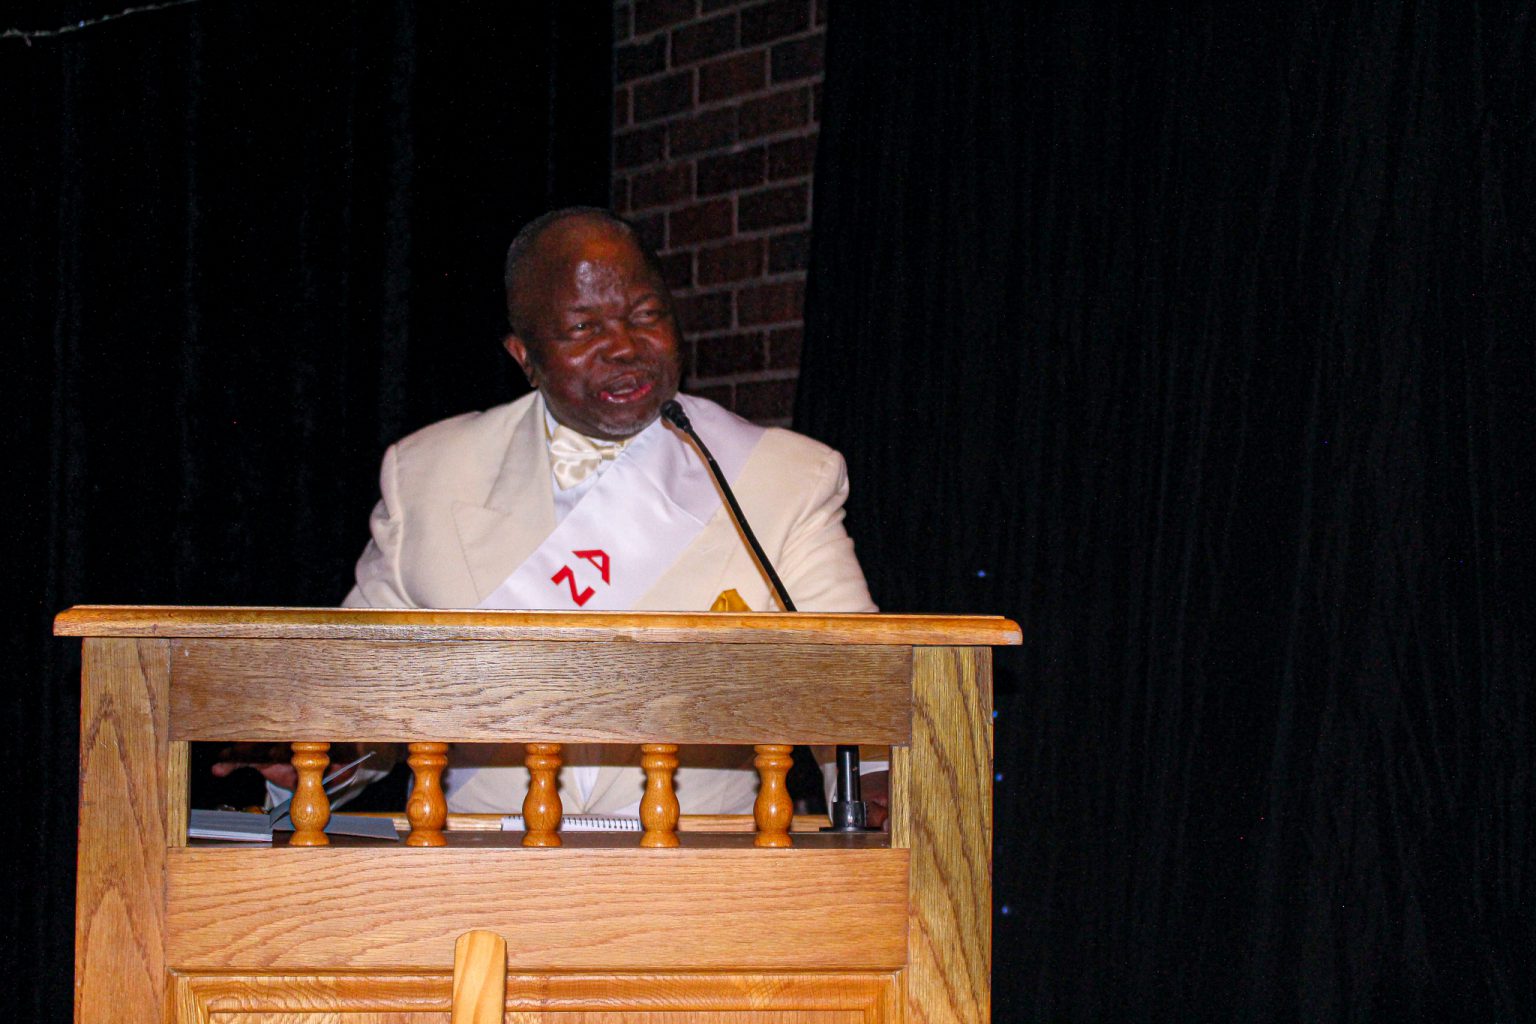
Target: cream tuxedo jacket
[{"x": 465, "y": 501}]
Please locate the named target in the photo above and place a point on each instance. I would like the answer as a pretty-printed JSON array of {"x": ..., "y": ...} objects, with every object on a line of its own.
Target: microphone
[
  {"x": 848, "y": 810},
  {"x": 675, "y": 415}
]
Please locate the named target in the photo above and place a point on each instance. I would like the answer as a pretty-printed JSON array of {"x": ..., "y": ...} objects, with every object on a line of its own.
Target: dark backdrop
[
  {"x": 1198, "y": 338},
  {"x": 245, "y": 246}
]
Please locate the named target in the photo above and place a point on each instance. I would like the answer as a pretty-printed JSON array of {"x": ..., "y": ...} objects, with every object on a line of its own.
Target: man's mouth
[{"x": 625, "y": 391}]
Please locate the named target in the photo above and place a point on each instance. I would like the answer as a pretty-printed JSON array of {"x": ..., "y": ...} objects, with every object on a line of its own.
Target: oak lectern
[{"x": 869, "y": 928}]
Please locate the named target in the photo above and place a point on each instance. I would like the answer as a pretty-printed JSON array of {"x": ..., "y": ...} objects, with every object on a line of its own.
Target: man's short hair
[{"x": 527, "y": 239}]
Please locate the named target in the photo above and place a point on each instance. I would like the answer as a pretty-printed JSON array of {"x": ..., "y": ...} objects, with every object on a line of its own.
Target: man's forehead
[
  {"x": 607, "y": 257},
  {"x": 584, "y": 239}
]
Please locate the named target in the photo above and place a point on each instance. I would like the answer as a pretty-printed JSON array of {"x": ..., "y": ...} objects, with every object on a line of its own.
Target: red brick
[
  {"x": 784, "y": 348},
  {"x": 732, "y": 262},
  {"x": 635, "y": 60},
  {"x": 774, "y": 20},
  {"x": 821, "y": 12},
  {"x": 792, "y": 158},
  {"x": 623, "y": 23},
  {"x": 703, "y": 39},
  {"x": 732, "y": 76},
  {"x": 620, "y": 107},
  {"x": 789, "y": 252},
  {"x": 726, "y": 354},
  {"x": 652, "y": 230},
  {"x": 715, "y": 5},
  {"x": 646, "y": 146},
  {"x": 713, "y": 130},
  {"x": 619, "y": 195},
  {"x": 661, "y": 97},
  {"x": 677, "y": 269},
  {"x": 701, "y": 222},
  {"x": 651, "y": 15},
  {"x": 730, "y": 171},
  {"x": 710, "y": 311},
  {"x": 786, "y": 204},
  {"x": 778, "y": 112},
  {"x": 662, "y": 187},
  {"x": 816, "y": 103},
  {"x": 777, "y": 303},
  {"x": 761, "y": 400},
  {"x": 798, "y": 58}
]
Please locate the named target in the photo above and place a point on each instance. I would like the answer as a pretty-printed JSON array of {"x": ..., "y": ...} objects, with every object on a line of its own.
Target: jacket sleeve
[
  {"x": 379, "y": 583},
  {"x": 818, "y": 565}
]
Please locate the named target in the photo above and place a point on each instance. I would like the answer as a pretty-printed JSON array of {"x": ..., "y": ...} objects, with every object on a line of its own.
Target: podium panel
[{"x": 869, "y": 928}]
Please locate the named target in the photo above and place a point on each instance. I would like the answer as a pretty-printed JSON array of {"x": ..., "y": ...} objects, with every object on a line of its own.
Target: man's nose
[{"x": 622, "y": 343}]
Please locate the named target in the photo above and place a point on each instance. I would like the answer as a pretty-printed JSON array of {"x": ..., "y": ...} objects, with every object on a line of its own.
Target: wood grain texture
[
  {"x": 773, "y": 810},
  {"x": 673, "y": 998},
  {"x": 541, "y": 805},
  {"x": 641, "y": 627},
  {"x": 125, "y": 754},
  {"x": 178, "y": 790},
  {"x": 942, "y": 811},
  {"x": 310, "y": 811},
  {"x": 479, "y": 978},
  {"x": 659, "y": 807},
  {"x": 538, "y": 691},
  {"x": 427, "y": 809},
  {"x": 563, "y": 909}
]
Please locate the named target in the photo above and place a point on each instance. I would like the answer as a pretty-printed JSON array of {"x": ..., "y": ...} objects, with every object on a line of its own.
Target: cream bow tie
[{"x": 574, "y": 456}]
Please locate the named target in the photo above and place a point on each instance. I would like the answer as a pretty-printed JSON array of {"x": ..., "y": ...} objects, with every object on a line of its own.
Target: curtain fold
[
  {"x": 1197, "y": 340},
  {"x": 246, "y": 247}
]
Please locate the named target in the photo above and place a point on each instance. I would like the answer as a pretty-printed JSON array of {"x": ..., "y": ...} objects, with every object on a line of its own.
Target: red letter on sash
[
  {"x": 597, "y": 557},
  {"x": 566, "y": 576}
]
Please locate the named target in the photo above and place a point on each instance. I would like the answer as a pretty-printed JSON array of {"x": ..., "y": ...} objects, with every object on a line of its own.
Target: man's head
[{"x": 592, "y": 323}]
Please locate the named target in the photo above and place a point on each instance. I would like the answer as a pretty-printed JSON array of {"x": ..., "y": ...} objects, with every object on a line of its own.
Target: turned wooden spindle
[
  {"x": 773, "y": 810},
  {"x": 427, "y": 810},
  {"x": 541, "y": 807},
  {"x": 658, "y": 808},
  {"x": 311, "y": 808}
]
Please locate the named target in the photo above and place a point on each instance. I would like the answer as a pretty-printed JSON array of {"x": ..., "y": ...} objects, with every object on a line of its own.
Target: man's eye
[
  {"x": 582, "y": 327},
  {"x": 649, "y": 315}
]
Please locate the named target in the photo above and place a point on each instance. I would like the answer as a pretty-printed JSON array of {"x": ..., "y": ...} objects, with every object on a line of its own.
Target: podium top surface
[{"x": 639, "y": 627}]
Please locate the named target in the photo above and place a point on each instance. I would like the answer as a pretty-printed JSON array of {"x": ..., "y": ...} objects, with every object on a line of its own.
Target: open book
[{"x": 258, "y": 827}]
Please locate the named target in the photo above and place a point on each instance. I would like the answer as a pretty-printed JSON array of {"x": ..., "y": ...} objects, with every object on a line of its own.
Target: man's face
[{"x": 600, "y": 340}]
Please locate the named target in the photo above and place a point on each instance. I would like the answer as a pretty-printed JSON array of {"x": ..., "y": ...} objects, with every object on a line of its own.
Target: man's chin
[{"x": 618, "y": 423}]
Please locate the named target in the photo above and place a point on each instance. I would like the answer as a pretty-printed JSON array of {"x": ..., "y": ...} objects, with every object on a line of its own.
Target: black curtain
[
  {"x": 246, "y": 245},
  {"x": 1198, "y": 339}
]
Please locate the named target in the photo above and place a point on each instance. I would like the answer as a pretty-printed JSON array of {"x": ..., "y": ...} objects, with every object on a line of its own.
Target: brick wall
[{"x": 716, "y": 104}]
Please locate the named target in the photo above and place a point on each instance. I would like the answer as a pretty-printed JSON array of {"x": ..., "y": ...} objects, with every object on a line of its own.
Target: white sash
[{"x": 636, "y": 520}]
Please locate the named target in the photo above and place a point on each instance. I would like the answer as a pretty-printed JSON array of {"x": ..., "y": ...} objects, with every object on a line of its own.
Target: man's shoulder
[
  {"x": 460, "y": 456},
  {"x": 775, "y": 444}
]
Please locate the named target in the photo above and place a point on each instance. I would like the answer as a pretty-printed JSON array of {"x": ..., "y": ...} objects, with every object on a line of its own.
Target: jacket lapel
[{"x": 519, "y": 511}]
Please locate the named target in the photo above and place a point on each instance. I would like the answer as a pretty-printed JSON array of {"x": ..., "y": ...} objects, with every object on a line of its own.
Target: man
[{"x": 579, "y": 496}]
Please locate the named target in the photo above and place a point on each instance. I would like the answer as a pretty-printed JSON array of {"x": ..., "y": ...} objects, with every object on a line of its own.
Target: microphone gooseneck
[
  {"x": 673, "y": 411},
  {"x": 848, "y": 811}
]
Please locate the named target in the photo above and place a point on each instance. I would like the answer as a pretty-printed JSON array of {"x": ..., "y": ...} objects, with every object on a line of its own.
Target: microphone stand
[{"x": 849, "y": 812}]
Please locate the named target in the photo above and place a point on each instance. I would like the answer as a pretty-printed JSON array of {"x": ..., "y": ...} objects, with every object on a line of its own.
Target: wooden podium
[{"x": 869, "y": 928}]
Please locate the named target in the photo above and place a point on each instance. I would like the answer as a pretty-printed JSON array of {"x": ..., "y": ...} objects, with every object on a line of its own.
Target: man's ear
[{"x": 517, "y": 348}]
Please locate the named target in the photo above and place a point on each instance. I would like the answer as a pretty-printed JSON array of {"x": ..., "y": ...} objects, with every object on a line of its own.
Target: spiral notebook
[{"x": 578, "y": 823}]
